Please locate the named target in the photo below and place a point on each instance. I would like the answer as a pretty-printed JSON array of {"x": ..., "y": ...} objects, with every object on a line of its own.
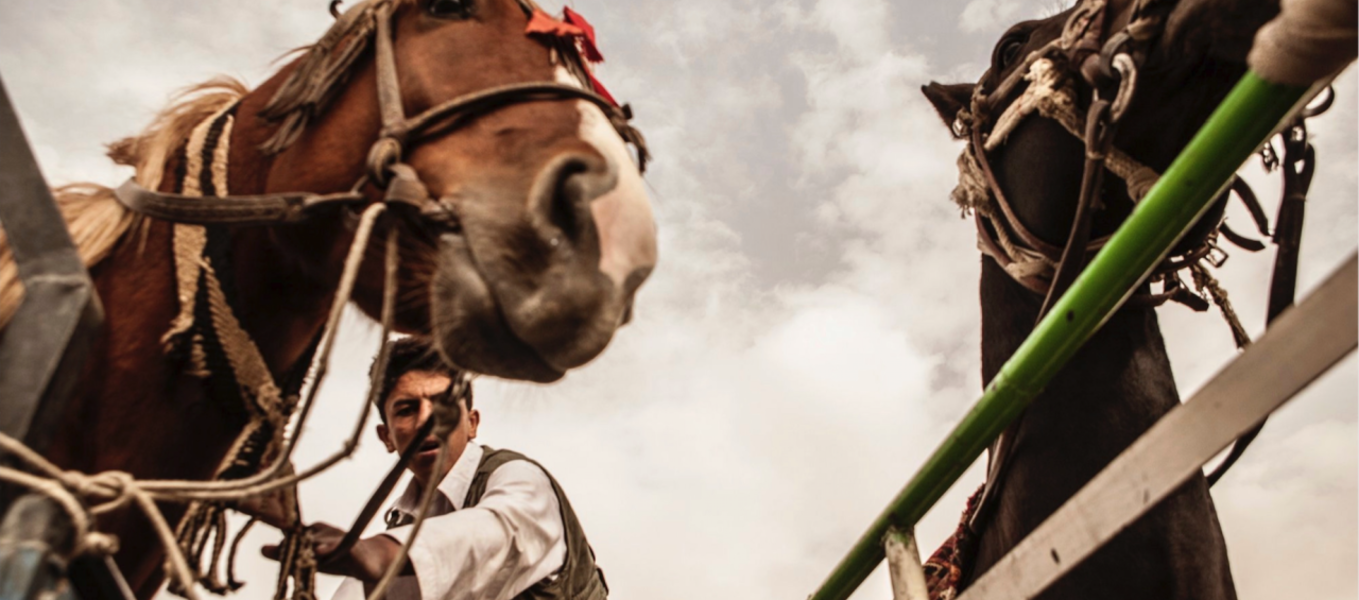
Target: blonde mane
[{"x": 96, "y": 220}]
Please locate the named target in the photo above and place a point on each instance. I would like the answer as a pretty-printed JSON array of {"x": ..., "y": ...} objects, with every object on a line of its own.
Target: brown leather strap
[{"x": 261, "y": 209}]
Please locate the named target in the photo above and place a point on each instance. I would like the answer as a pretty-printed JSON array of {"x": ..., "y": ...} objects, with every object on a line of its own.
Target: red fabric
[
  {"x": 587, "y": 38},
  {"x": 599, "y": 88},
  {"x": 577, "y": 29},
  {"x": 543, "y": 24},
  {"x": 944, "y": 569}
]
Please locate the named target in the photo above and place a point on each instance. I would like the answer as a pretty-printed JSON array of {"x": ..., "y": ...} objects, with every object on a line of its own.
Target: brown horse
[
  {"x": 1120, "y": 383},
  {"x": 547, "y": 235}
]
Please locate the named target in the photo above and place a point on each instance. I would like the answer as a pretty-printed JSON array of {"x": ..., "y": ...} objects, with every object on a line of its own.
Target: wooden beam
[{"x": 1303, "y": 344}]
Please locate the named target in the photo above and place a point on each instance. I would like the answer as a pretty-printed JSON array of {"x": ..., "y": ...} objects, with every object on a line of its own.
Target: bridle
[
  {"x": 1109, "y": 68},
  {"x": 307, "y": 91}
]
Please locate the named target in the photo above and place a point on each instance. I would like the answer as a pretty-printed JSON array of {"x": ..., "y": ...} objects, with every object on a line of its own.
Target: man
[{"x": 499, "y": 528}]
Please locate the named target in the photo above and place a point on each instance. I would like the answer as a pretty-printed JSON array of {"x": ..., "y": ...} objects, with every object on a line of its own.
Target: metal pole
[{"x": 1245, "y": 119}]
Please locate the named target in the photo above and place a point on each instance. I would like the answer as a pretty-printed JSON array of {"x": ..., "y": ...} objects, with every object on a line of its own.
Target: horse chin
[{"x": 538, "y": 338}]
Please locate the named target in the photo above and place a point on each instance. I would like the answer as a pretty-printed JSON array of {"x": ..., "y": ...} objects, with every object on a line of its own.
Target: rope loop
[{"x": 381, "y": 156}]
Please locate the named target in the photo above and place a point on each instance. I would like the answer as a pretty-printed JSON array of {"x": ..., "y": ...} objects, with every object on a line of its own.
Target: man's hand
[{"x": 367, "y": 561}]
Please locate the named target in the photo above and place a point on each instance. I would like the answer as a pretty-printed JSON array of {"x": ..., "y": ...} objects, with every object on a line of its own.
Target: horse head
[
  {"x": 1184, "y": 57},
  {"x": 533, "y": 230}
]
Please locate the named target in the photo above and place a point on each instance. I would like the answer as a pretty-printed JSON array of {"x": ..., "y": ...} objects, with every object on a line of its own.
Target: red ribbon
[{"x": 573, "y": 27}]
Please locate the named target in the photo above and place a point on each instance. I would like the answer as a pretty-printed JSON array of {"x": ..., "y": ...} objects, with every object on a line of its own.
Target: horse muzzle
[{"x": 534, "y": 294}]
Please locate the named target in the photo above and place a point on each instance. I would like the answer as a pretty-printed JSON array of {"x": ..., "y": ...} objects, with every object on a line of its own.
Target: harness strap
[{"x": 259, "y": 209}]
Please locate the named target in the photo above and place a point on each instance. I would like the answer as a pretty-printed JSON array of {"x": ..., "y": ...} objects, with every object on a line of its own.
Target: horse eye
[
  {"x": 1008, "y": 50},
  {"x": 449, "y": 9}
]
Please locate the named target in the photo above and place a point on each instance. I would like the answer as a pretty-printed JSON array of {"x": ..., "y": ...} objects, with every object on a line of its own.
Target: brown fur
[{"x": 136, "y": 411}]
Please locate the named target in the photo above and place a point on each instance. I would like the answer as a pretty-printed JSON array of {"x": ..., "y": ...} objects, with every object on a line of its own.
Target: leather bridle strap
[
  {"x": 385, "y": 167},
  {"x": 261, "y": 209}
]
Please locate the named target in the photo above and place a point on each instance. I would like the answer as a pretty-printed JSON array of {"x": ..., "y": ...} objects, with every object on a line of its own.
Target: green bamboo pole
[{"x": 1244, "y": 121}]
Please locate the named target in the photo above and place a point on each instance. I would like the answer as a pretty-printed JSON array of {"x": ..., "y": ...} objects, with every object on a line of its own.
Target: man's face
[{"x": 407, "y": 407}]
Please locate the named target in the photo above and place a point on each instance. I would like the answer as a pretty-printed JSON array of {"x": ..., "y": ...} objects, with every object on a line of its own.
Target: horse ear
[{"x": 948, "y": 99}]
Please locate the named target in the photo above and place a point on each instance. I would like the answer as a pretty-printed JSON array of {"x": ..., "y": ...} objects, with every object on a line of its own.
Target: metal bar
[
  {"x": 42, "y": 351},
  {"x": 1246, "y": 118},
  {"x": 44, "y": 346},
  {"x": 1302, "y": 345},
  {"x": 903, "y": 565}
]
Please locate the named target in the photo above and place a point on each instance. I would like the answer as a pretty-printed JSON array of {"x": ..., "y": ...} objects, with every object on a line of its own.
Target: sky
[{"x": 812, "y": 330}]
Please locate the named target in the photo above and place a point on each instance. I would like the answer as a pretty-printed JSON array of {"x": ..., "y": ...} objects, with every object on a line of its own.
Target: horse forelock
[{"x": 96, "y": 220}]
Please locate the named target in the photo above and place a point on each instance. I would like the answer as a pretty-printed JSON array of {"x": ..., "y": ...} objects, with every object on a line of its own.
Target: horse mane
[
  {"x": 96, "y": 220},
  {"x": 319, "y": 75}
]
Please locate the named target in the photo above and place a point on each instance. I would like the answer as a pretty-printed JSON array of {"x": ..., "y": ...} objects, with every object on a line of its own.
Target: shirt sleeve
[
  {"x": 350, "y": 589},
  {"x": 512, "y": 539}
]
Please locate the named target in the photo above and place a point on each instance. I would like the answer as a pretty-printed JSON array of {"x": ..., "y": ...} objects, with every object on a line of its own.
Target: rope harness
[{"x": 209, "y": 341}]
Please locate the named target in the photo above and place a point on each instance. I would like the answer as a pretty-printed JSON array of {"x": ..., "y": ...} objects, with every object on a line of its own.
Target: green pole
[{"x": 1244, "y": 121}]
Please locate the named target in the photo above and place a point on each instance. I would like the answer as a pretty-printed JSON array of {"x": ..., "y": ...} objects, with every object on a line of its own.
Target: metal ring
[
  {"x": 1110, "y": 52},
  {"x": 1127, "y": 84}
]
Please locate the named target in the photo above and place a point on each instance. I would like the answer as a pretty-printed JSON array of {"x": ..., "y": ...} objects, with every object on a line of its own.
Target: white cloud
[
  {"x": 738, "y": 437},
  {"x": 988, "y": 15}
]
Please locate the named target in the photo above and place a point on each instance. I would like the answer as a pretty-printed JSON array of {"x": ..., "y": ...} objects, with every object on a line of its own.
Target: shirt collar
[{"x": 454, "y": 486}]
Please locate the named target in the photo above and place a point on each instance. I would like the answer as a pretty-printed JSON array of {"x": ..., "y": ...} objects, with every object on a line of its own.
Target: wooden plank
[
  {"x": 1302, "y": 344},
  {"x": 903, "y": 565}
]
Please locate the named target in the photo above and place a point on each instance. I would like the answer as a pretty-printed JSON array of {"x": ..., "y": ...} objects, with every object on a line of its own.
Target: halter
[
  {"x": 313, "y": 84},
  {"x": 1110, "y": 68}
]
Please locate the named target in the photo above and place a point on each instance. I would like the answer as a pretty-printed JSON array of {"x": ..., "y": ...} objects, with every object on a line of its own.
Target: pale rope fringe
[
  {"x": 96, "y": 220},
  {"x": 189, "y": 241}
]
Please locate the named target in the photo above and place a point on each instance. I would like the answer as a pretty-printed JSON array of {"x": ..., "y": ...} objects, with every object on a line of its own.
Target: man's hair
[{"x": 410, "y": 354}]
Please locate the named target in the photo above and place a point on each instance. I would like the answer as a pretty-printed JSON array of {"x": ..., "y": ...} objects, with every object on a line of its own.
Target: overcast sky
[{"x": 811, "y": 332}]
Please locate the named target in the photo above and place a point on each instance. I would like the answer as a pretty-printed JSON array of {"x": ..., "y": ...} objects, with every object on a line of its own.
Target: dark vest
[{"x": 580, "y": 578}]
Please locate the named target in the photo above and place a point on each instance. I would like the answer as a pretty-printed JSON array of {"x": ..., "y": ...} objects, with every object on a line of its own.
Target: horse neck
[
  {"x": 1114, "y": 388},
  {"x": 285, "y": 275}
]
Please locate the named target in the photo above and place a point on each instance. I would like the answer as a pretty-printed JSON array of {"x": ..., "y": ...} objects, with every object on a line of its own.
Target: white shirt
[{"x": 512, "y": 539}]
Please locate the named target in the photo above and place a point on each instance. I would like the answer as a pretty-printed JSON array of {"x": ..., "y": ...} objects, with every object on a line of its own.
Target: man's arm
[{"x": 509, "y": 541}]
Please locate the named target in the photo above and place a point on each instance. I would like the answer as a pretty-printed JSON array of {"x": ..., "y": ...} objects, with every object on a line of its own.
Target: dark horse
[
  {"x": 552, "y": 234},
  {"x": 1120, "y": 383}
]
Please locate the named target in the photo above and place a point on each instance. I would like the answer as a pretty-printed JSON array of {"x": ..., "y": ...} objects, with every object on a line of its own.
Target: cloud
[
  {"x": 811, "y": 332},
  {"x": 988, "y": 15}
]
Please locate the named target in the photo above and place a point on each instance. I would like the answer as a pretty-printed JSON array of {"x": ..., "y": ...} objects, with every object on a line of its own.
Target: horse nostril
[{"x": 563, "y": 191}]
